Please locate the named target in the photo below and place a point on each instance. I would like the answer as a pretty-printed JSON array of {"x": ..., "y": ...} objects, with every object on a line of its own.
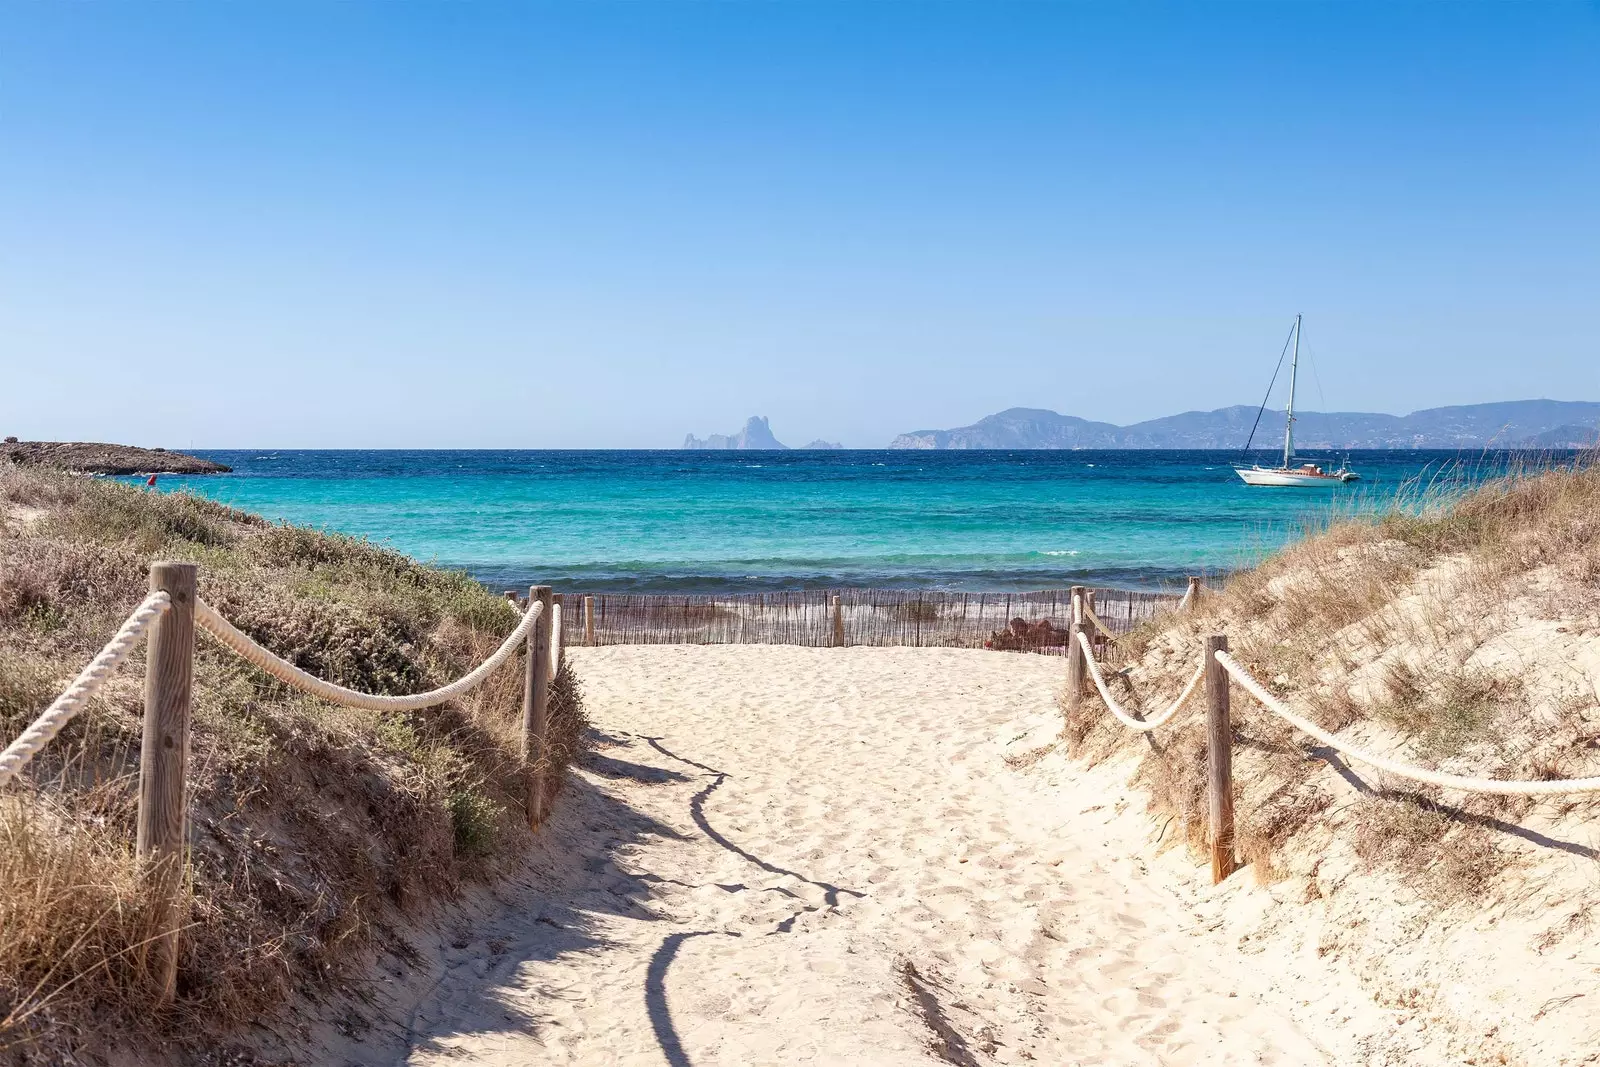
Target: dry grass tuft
[
  {"x": 1450, "y": 860},
  {"x": 313, "y": 826}
]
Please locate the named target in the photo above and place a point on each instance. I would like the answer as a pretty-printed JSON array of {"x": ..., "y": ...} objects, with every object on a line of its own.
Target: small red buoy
[{"x": 150, "y": 483}]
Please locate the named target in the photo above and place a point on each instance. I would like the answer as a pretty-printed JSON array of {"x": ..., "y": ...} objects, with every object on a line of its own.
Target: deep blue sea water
[{"x": 672, "y": 521}]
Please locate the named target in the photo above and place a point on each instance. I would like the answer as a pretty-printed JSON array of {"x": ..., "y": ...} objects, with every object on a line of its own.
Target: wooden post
[
  {"x": 558, "y": 638},
  {"x": 1219, "y": 760},
  {"x": 511, "y": 595},
  {"x": 588, "y": 620},
  {"x": 535, "y": 700},
  {"x": 162, "y": 834},
  {"x": 1089, "y": 628},
  {"x": 838, "y": 622},
  {"x": 1075, "y": 665},
  {"x": 1194, "y": 592}
]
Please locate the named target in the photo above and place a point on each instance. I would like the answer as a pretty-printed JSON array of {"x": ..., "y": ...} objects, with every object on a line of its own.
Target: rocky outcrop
[
  {"x": 820, "y": 443},
  {"x": 86, "y": 457},
  {"x": 756, "y": 434}
]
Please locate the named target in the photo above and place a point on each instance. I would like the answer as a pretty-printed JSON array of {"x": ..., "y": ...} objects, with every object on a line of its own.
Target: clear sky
[{"x": 595, "y": 225}]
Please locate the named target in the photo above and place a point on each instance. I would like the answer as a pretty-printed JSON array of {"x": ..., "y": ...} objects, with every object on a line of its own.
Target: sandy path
[{"x": 786, "y": 855}]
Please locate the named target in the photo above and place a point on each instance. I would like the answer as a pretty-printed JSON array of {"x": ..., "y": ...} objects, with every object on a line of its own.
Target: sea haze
[{"x": 681, "y": 521}]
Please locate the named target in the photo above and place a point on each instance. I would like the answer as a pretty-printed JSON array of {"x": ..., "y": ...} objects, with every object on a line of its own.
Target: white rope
[
  {"x": 225, "y": 632},
  {"x": 1404, "y": 770},
  {"x": 1137, "y": 725},
  {"x": 555, "y": 640},
  {"x": 66, "y": 706},
  {"x": 1183, "y": 601},
  {"x": 1102, "y": 627}
]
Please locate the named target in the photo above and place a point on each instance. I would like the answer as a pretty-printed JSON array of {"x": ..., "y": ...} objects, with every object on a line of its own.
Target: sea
[{"x": 737, "y": 521}]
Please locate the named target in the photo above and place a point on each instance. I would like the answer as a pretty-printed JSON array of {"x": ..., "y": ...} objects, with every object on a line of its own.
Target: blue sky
[{"x": 596, "y": 225}]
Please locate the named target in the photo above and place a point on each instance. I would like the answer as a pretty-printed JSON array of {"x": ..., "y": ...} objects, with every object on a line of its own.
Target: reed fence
[{"x": 1029, "y": 622}]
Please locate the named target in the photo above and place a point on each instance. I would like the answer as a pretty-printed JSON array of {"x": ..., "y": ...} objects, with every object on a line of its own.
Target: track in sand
[{"x": 790, "y": 856}]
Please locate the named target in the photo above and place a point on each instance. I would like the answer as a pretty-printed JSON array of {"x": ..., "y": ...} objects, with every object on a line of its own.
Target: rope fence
[
  {"x": 1216, "y": 668},
  {"x": 166, "y": 619},
  {"x": 252, "y": 652},
  {"x": 1503, "y": 787},
  {"x": 65, "y": 708},
  {"x": 1127, "y": 718}
]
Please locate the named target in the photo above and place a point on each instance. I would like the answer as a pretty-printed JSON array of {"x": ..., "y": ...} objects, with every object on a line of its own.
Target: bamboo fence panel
[{"x": 1030, "y": 622}]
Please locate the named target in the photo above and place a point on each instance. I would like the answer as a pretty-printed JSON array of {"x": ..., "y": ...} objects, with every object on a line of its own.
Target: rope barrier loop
[
  {"x": 249, "y": 650},
  {"x": 1403, "y": 770},
  {"x": 1126, "y": 718},
  {"x": 65, "y": 707}
]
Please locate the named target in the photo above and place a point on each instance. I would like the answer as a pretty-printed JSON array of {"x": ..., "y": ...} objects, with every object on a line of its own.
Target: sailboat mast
[{"x": 1294, "y": 370}]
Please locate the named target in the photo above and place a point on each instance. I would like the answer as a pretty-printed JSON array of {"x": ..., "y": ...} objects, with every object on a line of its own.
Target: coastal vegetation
[
  {"x": 316, "y": 830},
  {"x": 1460, "y": 633}
]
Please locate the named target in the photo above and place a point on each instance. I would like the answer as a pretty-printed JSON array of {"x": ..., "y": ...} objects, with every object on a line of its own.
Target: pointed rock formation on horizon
[{"x": 756, "y": 434}]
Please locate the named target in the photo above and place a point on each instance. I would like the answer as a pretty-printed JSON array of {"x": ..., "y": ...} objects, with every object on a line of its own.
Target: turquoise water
[{"x": 714, "y": 521}]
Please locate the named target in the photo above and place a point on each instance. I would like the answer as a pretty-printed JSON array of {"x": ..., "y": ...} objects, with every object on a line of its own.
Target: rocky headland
[{"x": 88, "y": 457}]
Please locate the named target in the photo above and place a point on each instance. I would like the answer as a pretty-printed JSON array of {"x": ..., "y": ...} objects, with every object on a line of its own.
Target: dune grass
[
  {"x": 1441, "y": 629},
  {"x": 314, "y": 828}
]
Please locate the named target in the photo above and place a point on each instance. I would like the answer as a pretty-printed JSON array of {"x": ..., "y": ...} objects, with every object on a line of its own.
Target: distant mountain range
[
  {"x": 756, "y": 434},
  {"x": 1510, "y": 424}
]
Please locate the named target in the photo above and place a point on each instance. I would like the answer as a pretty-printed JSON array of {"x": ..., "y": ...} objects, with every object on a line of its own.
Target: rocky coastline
[{"x": 87, "y": 457}]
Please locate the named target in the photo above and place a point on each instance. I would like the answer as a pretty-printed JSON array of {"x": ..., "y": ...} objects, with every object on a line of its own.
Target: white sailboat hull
[{"x": 1271, "y": 476}]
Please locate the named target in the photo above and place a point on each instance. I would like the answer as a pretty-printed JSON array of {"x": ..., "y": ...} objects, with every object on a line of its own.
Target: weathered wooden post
[
  {"x": 535, "y": 701},
  {"x": 162, "y": 834},
  {"x": 588, "y": 621},
  {"x": 838, "y": 622},
  {"x": 1193, "y": 596},
  {"x": 1096, "y": 639},
  {"x": 1219, "y": 760},
  {"x": 511, "y": 596},
  {"x": 1075, "y": 665}
]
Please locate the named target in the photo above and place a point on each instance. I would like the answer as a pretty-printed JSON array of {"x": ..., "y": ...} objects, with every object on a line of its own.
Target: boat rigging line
[{"x": 1259, "y": 411}]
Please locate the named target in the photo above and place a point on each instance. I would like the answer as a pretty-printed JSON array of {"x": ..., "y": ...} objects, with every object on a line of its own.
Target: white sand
[{"x": 788, "y": 855}]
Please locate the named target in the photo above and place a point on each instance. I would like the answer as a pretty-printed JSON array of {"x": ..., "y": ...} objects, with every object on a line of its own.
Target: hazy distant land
[
  {"x": 1509, "y": 424},
  {"x": 756, "y": 434}
]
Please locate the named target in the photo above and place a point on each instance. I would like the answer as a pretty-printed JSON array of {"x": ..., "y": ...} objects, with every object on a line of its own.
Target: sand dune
[{"x": 790, "y": 855}]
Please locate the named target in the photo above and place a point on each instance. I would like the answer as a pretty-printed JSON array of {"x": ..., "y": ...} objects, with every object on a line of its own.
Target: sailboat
[{"x": 1306, "y": 474}]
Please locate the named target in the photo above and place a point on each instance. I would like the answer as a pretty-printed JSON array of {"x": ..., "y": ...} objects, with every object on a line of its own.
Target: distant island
[
  {"x": 1509, "y": 424},
  {"x": 88, "y": 457},
  {"x": 756, "y": 434}
]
